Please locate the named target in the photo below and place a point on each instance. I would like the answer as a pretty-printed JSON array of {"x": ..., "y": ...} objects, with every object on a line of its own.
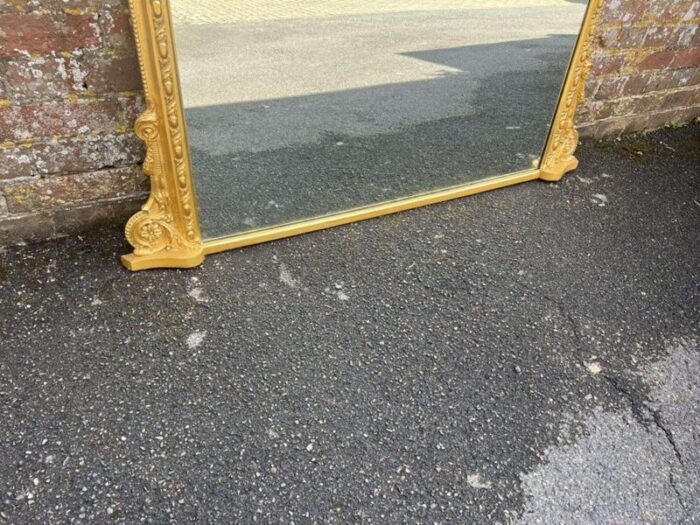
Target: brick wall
[
  {"x": 646, "y": 70},
  {"x": 70, "y": 91}
]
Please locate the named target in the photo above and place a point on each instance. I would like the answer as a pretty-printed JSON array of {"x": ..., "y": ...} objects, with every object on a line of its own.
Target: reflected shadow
[{"x": 260, "y": 164}]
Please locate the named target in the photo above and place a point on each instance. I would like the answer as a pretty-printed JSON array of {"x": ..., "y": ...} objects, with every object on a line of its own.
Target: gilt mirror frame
[{"x": 165, "y": 233}]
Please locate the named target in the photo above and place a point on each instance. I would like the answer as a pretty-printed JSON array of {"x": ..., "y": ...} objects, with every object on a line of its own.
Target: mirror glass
[{"x": 302, "y": 109}]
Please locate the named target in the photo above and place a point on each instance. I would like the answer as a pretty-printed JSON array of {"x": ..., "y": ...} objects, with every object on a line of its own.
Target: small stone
[
  {"x": 310, "y": 447},
  {"x": 594, "y": 367},
  {"x": 475, "y": 481}
]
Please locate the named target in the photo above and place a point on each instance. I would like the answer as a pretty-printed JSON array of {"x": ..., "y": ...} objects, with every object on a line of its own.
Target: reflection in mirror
[{"x": 301, "y": 109}]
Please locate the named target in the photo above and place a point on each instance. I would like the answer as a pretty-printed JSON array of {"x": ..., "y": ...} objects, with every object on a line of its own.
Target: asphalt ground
[
  {"x": 293, "y": 119},
  {"x": 525, "y": 355}
]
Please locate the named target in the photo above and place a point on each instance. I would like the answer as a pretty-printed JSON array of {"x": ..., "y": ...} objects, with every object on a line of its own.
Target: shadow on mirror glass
[{"x": 294, "y": 118}]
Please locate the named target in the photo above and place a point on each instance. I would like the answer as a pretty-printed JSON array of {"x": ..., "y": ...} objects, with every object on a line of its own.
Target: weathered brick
[
  {"x": 42, "y": 76},
  {"x": 678, "y": 99},
  {"x": 689, "y": 57},
  {"x": 603, "y": 65},
  {"x": 623, "y": 11},
  {"x": 44, "y": 194},
  {"x": 26, "y": 227},
  {"x": 664, "y": 118},
  {"x": 637, "y": 84},
  {"x": 116, "y": 29},
  {"x": 621, "y": 37},
  {"x": 108, "y": 74},
  {"x": 61, "y": 117},
  {"x": 636, "y": 123},
  {"x": 610, "y": 88},
  {"x": 658, "y": 60},
  {"x": 603, "y": 128},
  {"x": 16, "y": 162},
  {"x": 87, "y": 153},
  {"x": 46, "y": 32},
  {"x": 669, "y": 10},
  {"x": 80, "y": 218}
]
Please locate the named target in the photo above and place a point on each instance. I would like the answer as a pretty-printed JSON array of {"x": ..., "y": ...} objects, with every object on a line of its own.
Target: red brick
[
  {"x": 623, "y": 11},
  {"x": 107, "y": 74},
  {"x": 27, "y": 227},
  {"x": 658, "y": 60},
  {"x": 661, "y": 119},
  {"x": 604, "y": 65},
  {"x": 692, "y": 12},
  {"x": 40, "y": 77},
  {"x": 116, "y": 30},
  {"x": 662, "y": 80},
  {"x": 81, "y": 154},
  {"x": 659, "y": 36},
  {"x": 689, "y": 57},
  {"x": 12, "y": 124},
  {"x": 668, "y": 9},
  {"x": 74, "y": 220},
  {"x": 637, "y": 84},
  {"x": 621, "y": 37},
  {"x": 46, "y": 32},
  {"x": 604, "y": 128},
  {"x": 44, "y": 194},
  {"x": 61, "y": 117},
  {"x": 687, "y": 37},
  {"x": 610, "y": 88},
  {"x": 679, "y": 99},
  {"x": 16, "y": 162}
]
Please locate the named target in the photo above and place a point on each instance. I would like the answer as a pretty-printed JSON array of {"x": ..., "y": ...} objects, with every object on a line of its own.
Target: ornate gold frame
[{"x": 166, "y": 233}]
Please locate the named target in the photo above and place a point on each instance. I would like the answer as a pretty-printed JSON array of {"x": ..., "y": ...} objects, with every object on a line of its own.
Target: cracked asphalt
[{"x": 528, "y": 355}]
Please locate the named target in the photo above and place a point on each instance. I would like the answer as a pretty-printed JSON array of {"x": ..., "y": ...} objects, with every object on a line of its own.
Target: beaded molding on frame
[
  {"x": 166, "y": 232},
  {"x": 558, "y": 158}
]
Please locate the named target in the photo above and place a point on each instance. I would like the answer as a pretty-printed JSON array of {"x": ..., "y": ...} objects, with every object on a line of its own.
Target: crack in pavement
[{"x": 620, "y": 470}]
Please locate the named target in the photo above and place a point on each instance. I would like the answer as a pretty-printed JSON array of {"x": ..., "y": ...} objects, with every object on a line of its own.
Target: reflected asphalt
[{"x": 298, "y": 118}]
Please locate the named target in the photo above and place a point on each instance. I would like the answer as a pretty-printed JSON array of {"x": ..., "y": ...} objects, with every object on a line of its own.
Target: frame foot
[
  {"x": 556, "y": 172},
  {"x": 177, "y": 258}
]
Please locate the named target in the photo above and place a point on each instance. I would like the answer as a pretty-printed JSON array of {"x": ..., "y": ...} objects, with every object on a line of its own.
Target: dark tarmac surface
[{"x": 526, "y": 355}]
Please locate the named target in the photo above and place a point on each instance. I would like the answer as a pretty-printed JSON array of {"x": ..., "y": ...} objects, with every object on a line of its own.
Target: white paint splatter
[
  {"x": 198, "y": 295},
  {"x": 475, "y": 481},
  {"x": 287, "y": 278},
  {"x": 195, "y": 339},
  {"x": 599, "y": 199},
  {"x": 594, "y": 367}
]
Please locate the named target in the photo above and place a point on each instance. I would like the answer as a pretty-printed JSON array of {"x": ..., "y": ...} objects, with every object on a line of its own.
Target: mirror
[{"x": 303, "y": 115}]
